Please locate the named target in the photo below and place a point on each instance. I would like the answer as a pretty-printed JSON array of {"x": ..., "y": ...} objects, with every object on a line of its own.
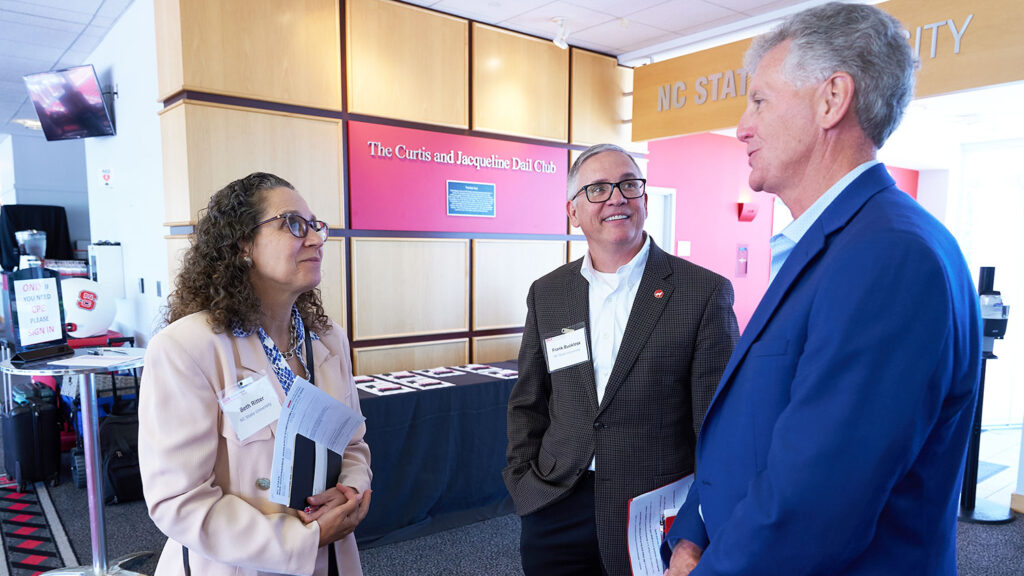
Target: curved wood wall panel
[
  {"x": 487, "y": 349},
  {"x": 405, "y": 287},
  {"x": 206, "y": 146},
  {"x": 520, "y": 85},
  {"x": 378, "y": 359},
  {"x": 503, "y": 271},
  {"x": 174, "y": 151},
  {"x": 261, "y": 49},
  {"x": 332, "y": 280},
  {"x": 407, "y": 63},
  {"x": 169, "y": 74}
]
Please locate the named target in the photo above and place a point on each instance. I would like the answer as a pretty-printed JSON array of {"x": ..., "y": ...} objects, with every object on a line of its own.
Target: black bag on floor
[
  {"x": 32, "y": 437},
  {"x": 119, "y": 445}
]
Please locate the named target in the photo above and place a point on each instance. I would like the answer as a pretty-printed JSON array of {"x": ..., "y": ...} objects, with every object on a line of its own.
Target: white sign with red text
[{"x": 38, "y": 309}]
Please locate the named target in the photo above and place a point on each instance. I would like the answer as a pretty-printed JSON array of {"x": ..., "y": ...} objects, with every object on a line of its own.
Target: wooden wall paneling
[
  {"x": 405, "y": 287},
  {"x": 520, "y": 85},
  {"x": 599, "y": 106},
  {"x": 332, "y": 280},
  {"x": 407, "y": 63},
  {"x": 263, "y": 49},
  {"x": 626, "y": 80},
  {"x": 502, "y": 273},
  {"x": 224, "y": 143},
  {"x": 379, "y": 359},
  {"x": 174, "y": 151},
  {"x": 488, "y": 349},
  {"x": 169, "y": 73}
]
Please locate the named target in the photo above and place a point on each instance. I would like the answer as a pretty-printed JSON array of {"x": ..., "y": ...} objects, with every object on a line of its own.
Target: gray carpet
[{"x": 488, "y": 548}]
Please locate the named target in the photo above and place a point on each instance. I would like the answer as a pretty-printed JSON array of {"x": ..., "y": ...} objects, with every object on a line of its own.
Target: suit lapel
[
  {"x": 643, "y": 316},
  {"x": 252, "y": 357},
  {"x": 577, "y": 292},
  {"x": 834, "y": 218}
]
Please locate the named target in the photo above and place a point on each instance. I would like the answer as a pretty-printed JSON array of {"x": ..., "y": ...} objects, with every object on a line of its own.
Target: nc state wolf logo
[{"x": 86, "y": 300}]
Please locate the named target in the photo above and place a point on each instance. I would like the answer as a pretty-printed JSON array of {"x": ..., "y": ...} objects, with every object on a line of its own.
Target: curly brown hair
[{"x": 214, "y": 274}]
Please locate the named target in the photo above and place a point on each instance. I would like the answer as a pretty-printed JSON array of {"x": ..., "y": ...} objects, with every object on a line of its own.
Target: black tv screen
[{"x": 69, "y": 103}]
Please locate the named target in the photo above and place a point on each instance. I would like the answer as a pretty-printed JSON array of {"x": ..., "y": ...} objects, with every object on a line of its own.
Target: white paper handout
[
  {"x": 379, "y": 387},
  {"x": 316, "y": 415},
  {"x": 416, "y": 381},
  {"x": 440, "y": 372},
  {"x": 645, "y": 531}
]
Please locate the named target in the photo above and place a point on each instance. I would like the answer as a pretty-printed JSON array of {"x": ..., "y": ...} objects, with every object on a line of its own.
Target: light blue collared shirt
[{"x": 782, "y": 244}]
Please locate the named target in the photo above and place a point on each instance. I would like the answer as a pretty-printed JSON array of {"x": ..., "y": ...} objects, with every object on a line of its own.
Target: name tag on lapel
[
  {"x": 566, "y": 349},
  {"x": 250, "y": 406}
]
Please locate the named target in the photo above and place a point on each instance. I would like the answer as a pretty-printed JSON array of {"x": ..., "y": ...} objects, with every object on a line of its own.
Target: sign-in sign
[
  {"x": 38, "y": 308},
  {"x": 471, "y": 199}
]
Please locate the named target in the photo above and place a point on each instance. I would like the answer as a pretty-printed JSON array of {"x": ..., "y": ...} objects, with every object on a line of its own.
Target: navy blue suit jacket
[{"x": 835, "y": 442}]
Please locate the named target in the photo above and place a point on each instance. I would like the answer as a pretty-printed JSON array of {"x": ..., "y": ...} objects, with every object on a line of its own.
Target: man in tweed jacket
[{"x": 621, "y": 419}]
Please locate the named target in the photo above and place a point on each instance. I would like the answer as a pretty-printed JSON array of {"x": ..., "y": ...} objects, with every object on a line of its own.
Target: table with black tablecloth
[{"x": 436, "y": 457}]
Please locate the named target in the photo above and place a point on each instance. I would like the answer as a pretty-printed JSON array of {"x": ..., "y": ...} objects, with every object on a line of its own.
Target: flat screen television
[{"x": 70, "y": 103}]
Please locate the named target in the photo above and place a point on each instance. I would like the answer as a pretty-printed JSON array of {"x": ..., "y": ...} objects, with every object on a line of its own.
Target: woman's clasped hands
[{"x": 337, "y": 510}]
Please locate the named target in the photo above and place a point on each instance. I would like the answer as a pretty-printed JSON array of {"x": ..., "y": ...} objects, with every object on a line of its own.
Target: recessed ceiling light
[{"x": 30, "y": 124}]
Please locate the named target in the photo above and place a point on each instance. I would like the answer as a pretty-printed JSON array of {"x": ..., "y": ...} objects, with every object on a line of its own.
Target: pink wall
[
  {"x": 905, "y": 178},
  {"x": 709, "y": 173},
  {"x": 398, "y": 178}
]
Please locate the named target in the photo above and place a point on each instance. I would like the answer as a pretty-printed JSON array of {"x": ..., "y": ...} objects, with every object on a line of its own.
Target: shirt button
[{"x": 263, "y": 483}]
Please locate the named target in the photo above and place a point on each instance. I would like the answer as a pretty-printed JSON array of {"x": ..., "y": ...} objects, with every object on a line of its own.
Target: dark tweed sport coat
[{"x": 643, "y": 433}]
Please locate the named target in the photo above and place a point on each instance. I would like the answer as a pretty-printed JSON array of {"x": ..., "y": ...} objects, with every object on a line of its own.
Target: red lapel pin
[{"x": 659, "y": 293}]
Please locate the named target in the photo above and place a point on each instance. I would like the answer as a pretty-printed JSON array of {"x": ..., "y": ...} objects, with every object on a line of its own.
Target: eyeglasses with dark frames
[
  {"x": 601, "y": 191},
  {"x": 299, "y": 226}
]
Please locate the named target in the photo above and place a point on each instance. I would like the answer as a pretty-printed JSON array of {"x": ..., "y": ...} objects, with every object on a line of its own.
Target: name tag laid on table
[
  {"x": 566, "y": 349},
  {"x": 250, "y": 405}
]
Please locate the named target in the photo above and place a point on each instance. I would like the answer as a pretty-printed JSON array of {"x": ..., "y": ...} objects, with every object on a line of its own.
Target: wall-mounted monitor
[{"x": 70, "y": 103}]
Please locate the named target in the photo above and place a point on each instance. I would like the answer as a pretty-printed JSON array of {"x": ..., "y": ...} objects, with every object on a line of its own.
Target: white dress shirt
[{"x": 611, "y": 299}]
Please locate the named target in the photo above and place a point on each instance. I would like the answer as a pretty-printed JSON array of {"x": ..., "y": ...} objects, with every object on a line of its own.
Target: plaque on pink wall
[{"x": 401, "y": 179}]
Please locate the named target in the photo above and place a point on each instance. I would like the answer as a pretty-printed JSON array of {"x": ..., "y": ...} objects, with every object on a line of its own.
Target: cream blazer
[{"x": 202, "y": 485}]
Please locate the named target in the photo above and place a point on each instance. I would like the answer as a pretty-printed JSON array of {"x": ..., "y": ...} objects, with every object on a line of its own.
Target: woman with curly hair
[{"x": 246, "y": 307}]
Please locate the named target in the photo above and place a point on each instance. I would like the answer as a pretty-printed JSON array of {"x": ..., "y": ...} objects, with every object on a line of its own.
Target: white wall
[
  {"x": 131, "y": 210},
  {"x": 6, "y": 169},
  {"x": 993, "y": 194},
  {"x": 52, "y": 173},
  {"x": 933, "y": 192}
]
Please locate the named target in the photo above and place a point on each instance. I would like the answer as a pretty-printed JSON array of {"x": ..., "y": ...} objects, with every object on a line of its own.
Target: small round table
[{"x": 92, "y": 362}]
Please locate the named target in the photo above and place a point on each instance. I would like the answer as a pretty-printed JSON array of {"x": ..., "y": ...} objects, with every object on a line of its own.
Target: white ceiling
[{"x": 40, "y": 35}]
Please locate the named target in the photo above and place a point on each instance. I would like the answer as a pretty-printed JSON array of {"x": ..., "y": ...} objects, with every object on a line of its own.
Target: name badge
[
  {"x": 567, "y": 349},
  {"x": 250, "y": 405}
]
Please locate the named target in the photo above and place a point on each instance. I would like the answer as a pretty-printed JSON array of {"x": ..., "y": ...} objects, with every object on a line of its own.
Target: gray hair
[
  {"x": 594, "y": 150},
  {"x": 860, "y": 40}
]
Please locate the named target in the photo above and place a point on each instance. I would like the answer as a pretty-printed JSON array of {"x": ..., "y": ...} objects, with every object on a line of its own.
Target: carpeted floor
[{"x": 488, "y": 548}]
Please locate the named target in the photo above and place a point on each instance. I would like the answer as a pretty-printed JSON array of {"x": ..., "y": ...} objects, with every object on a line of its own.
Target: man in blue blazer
[{"x": 835, "y": 442}]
